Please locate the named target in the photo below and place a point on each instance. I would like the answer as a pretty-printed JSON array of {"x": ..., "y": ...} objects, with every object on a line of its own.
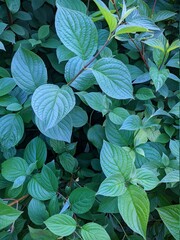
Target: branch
[
  {"x": 154, "y": 5},
  {"x": 115, "y": 7},
  {"x": 18, "y": 200},
  {"x": 92, "y": 60}
]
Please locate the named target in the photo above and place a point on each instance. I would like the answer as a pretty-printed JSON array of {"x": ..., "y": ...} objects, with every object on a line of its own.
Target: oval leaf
[
  {"x": 77, "y": 32},
  {"x": 113, "y": 78},
  {"x": 91, "y": 231},
  {"x": 28, "y": 70}
]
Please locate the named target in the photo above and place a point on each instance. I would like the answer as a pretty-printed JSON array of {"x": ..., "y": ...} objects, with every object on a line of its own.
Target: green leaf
[
  {"x": 133, "y": 206},
  {"x": 2, "y": 27},
  {"x": 19, "y": 30},
  {"x": 96, "y": 135},
  {"x": 14, "y": 168},
  {"x": 41, "y": 234},
  {"x": 146, "y": 178},
  {"x": 28, "y": 70},
  {"x": 163, "y": 15},
  {"x": 170, "y": 217},
  {"x": 174, "y": 147},
  {"x": 109, "y": 17},
  {"x": 144, "y": 94},
  {"x": 171, "y": 177},
  {"x": 79, "y": 117},
  {"x": 115, "y": 160},
  {"x": 132, "y": 123},
  {"x": 62, "y": 131},
  {"x": 98, "y": 101},
  {"x": 174, "y": 45},
  {"x": 123, "y": 29},
  {"x": 61, "y": 225},
  {"x": 113, "y": 78},
  {"x": 11, "y": 129},
  {"x": 8, "y": 215},
  {"x": 91, "y": 231},
  {"x": 81, "y": 200},
  {"x": 37, "y": 211},
  {"x": 13, "y": 5},
  {"x": 118, "y": 115},
  {"x": 63, "y": 53},
  {"x": 112, "y": 186},
  {"x": 77, "y": 32},
  {"x": 36, "y": 152},
  {"x": 155, "y": 43},
  {"x": 19, "y": 181},
  {"x": 68, "y": 162},
  {"x": 77, "y": 5},
  {"x": 14, "y": 107},
  {"x": 43, "y": 186},
  {"x": 43, "y": 32},
  {"x": 85, "y": 80},
  {"x": 51, "y": 103},
  {"x": 6, "y": 85},
  {"x": 159, "y": 77}
]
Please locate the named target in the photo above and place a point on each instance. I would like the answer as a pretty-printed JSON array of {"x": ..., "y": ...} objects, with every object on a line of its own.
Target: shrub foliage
[{"x": 89, "y": 108}]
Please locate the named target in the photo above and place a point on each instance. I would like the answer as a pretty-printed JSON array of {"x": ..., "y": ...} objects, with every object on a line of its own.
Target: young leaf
[
  {"x": 113, "y": 78},
  {"x": 28, "y": 70},
  {"x": 8, "y": 215},
  {"x": 43, "y": 32},
  {"x": 62, "y": 131},
  {"x": 91, "y": 231},
  {"x": 36, "y": 152},
  {"x": 123, "y": 29},
  {"x": 81, "y": 200},
  {"x": 109, "y": 17},
  {"x": 159, "y": 77},
  {"x": 51, "y": 104},
  {"x": 118, "y": 115},
  {"x": 174, "y": 45},
  {"x": 11, "y": 129},
  {"x": 61, "y": 225},
  {"x": 77, "y": 32},
  {"x": 14, "y": 168},
  {"x": 170, "y": 217},
  {"x": 133, "y": 206},
  {"x": 112, "y": 186},
  {"x": 115, "y": 160}
]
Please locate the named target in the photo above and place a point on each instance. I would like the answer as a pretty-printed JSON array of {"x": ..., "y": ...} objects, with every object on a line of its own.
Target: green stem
[{"x": 125, "y": 234}]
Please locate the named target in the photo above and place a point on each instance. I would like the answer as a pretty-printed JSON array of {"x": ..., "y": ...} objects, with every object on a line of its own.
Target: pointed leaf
[
  {"x": 159, "y": 77},
  {"x": 61, "y": 225},
  {"x": 11, "y": 129},
  {"x": 113, "y": 78},
  {"x": 91, "y": 231},
  {"x": 134, "y": 208},
  {"x": 77, "y": 32},
  {"x": 112, "y": 186},
  {"x": 123, "y": 29},
  {"x": 115, "y": 160},
  {"x": 28, "y": 70},
  {"x": 51, "y": 104},
  {"x": 62, "y": 131},
  {"x": 6, "y": 85},
  {"x": 109, "y": 17},
  {"x": 170, "y": 216}
]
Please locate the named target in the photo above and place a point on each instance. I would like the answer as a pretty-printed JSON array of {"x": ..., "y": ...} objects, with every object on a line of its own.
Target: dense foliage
[{"x": 89, "y": 109}]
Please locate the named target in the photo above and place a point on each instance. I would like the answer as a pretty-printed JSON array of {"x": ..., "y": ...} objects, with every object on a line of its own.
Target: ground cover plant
[{"x": 89, "y": 111}]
